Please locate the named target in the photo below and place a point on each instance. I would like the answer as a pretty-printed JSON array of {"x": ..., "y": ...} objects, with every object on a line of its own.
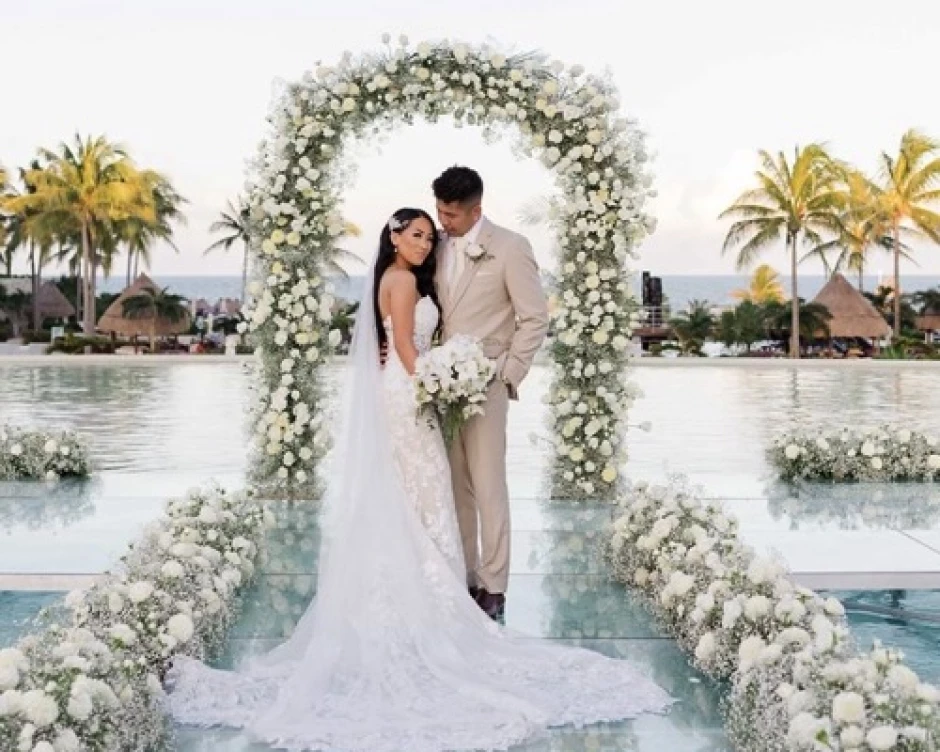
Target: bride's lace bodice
[{"x": 426, "y": 320}]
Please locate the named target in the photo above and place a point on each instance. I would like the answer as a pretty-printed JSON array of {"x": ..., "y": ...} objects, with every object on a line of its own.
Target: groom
[{"x": 489, "y": 288}]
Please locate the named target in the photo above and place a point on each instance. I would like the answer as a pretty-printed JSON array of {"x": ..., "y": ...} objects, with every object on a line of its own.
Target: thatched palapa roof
[
  {"x": 115, "y": 321},
  {"x": 852, "y": 313},
  {"x": 929, "y": 322},
  {"x": 52, "y": 303}
]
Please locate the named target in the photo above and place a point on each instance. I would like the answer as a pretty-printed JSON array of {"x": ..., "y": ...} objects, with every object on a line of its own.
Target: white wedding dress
[{"x": 393, "y": 655}]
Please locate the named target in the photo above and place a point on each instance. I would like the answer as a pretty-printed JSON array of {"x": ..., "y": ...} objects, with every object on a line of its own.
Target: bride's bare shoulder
[{"x": 399, "y": 281}]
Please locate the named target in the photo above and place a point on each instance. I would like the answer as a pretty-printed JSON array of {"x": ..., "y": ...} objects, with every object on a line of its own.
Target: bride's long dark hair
[{"x": 424, "y": 274}]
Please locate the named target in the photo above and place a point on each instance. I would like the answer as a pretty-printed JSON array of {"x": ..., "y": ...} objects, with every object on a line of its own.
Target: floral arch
[{"x": 560, "y": 115}]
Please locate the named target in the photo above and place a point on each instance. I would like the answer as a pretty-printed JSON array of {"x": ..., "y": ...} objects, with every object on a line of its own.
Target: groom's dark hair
[{"x": 460, "y": 184}]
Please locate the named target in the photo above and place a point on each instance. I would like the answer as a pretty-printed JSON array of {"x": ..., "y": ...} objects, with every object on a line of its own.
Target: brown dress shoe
[{"x": 493, "y": 604}]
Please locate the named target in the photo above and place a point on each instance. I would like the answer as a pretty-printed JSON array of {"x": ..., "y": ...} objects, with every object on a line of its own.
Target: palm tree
[
  {"x": 864, "y": 225},
  {"x": 813, "y": 319},
  {"x": 745, "y": 325},
  {"x": 14, "y": 304},
  {"x": 84, "y": 190},
  {"x": 139, "y": 236},
  {"x": 790, "y": 202},
  {"x": 909, "y": 191},
  {"x": 234, "y": 222},
  {"x": 25, "y": 228},
  {"x": 337, "y": 254},
  {"x": 928, "y": 301},
  {"x": 694, "y": 326},
  {"x": 4, "y": 187},
  {"x": 156, "y": 305},
  {"x": 763, "y": 287}
]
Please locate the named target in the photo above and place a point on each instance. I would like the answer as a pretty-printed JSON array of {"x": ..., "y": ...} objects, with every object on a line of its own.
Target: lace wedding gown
[{"x": 393, "y": 655}]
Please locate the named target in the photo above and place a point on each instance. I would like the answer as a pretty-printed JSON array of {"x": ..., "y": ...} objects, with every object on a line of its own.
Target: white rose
[
  {"x": 852, "y": 737},
  {"x": 750, "y": 650},
  {"x": 705, "y": 648},
  {"x": 43, "y": 747},
  {"x": 9, "y": 677},
  {"x": 123, "y": 633},
  {"x": 803, "y": 730},
  {"x": 80, "y": 706},
  {"x": 66, "y": 741},
  {"x": 933, "y": 461},
  {"x": 876, "y": 463},
  {"x": 208, "y": 516},
  {"x": 138, "y": 592},
  {"x": 792, "y": 451},
  {"x": 882, "y": 737},
  {"x": 848, "y": 707},
  {"x": 756, "y": 607},
  {"x": 180, "y": 627},
  {"x": 903, "y": 678},
  {"x": 172, "y": 569},
  {"x": 40, "y": 709}
]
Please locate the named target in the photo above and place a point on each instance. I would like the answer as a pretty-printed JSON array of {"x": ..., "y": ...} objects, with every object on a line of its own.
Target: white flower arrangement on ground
[
  {"x": 798, "y": 681},
  {"x": 563, "y": 117},
  {"x": 93, "y": 681},
  {"x": 35, "y": 454},
  {"x": 451, "y": 381},
  {"x": 887, "y": 453}
]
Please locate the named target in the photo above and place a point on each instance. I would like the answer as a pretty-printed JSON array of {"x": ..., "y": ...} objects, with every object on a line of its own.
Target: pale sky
[{"x": 186, "y": 85}]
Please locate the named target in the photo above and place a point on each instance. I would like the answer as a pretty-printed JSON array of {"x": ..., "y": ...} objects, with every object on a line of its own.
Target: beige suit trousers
[{"x": 478, "y": 452}]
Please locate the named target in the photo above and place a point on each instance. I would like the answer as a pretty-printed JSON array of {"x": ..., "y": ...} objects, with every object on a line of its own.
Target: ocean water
[{"x": 679, "y": 289}]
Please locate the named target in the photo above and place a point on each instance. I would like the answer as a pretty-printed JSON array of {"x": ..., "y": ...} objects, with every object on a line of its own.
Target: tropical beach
[{"x": 722, "y": 460}]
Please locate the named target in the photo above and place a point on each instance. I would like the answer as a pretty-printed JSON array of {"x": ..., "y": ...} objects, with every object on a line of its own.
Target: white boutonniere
[{"x": 475, "y": 252}]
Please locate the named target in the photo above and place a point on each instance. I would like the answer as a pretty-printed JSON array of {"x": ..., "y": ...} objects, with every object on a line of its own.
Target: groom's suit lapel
[{"x": 471, "y": 267}]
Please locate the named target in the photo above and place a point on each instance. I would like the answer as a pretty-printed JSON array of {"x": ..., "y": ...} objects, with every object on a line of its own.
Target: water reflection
[
  {"x": 853, "y": 506},
  {"x": 138, "y": 418},
  {"x": 39, "y": 504}
]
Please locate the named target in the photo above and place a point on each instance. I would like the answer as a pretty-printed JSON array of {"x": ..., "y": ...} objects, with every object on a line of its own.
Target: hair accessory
[{"x": 395, "y": 224}]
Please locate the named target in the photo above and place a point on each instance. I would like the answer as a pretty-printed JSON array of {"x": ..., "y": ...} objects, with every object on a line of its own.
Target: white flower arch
[{"x": 562, "y": 116}]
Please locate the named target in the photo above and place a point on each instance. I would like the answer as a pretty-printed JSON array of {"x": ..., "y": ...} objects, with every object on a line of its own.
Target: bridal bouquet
[{"x": 451, "y": 382}]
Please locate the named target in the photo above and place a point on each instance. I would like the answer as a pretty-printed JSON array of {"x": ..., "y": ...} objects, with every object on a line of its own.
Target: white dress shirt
[{"x": 456, "y": 256}]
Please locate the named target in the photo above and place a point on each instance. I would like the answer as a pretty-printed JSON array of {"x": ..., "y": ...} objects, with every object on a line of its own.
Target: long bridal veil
[{"x": 392, "y": 653}]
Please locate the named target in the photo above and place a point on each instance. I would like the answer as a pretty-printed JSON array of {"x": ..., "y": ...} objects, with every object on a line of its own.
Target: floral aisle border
[
  {"x": 35, "y": 454},
  {"x": 92, "y": 680},
  {"x": 567, "y": 119},
  {"x": 887, "y": 453},
  {"x": 798, "y": 682}
]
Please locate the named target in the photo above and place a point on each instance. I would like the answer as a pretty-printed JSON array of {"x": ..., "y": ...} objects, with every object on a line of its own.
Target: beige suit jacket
[{"x": 499, "y": 300}]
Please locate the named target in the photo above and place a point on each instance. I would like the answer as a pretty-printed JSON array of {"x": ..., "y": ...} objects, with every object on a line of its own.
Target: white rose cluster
[
  {"x": 568, "y": 120},
  {"x": 91, "y": 683},
  {"x": 796, "y": 675},
  {"x": 885, "y": 453},
  {"x": 36, "y": 454}
]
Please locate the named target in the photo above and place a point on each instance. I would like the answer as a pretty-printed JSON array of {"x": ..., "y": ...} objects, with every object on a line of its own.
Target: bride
[{"x": 393, "y": 655}]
